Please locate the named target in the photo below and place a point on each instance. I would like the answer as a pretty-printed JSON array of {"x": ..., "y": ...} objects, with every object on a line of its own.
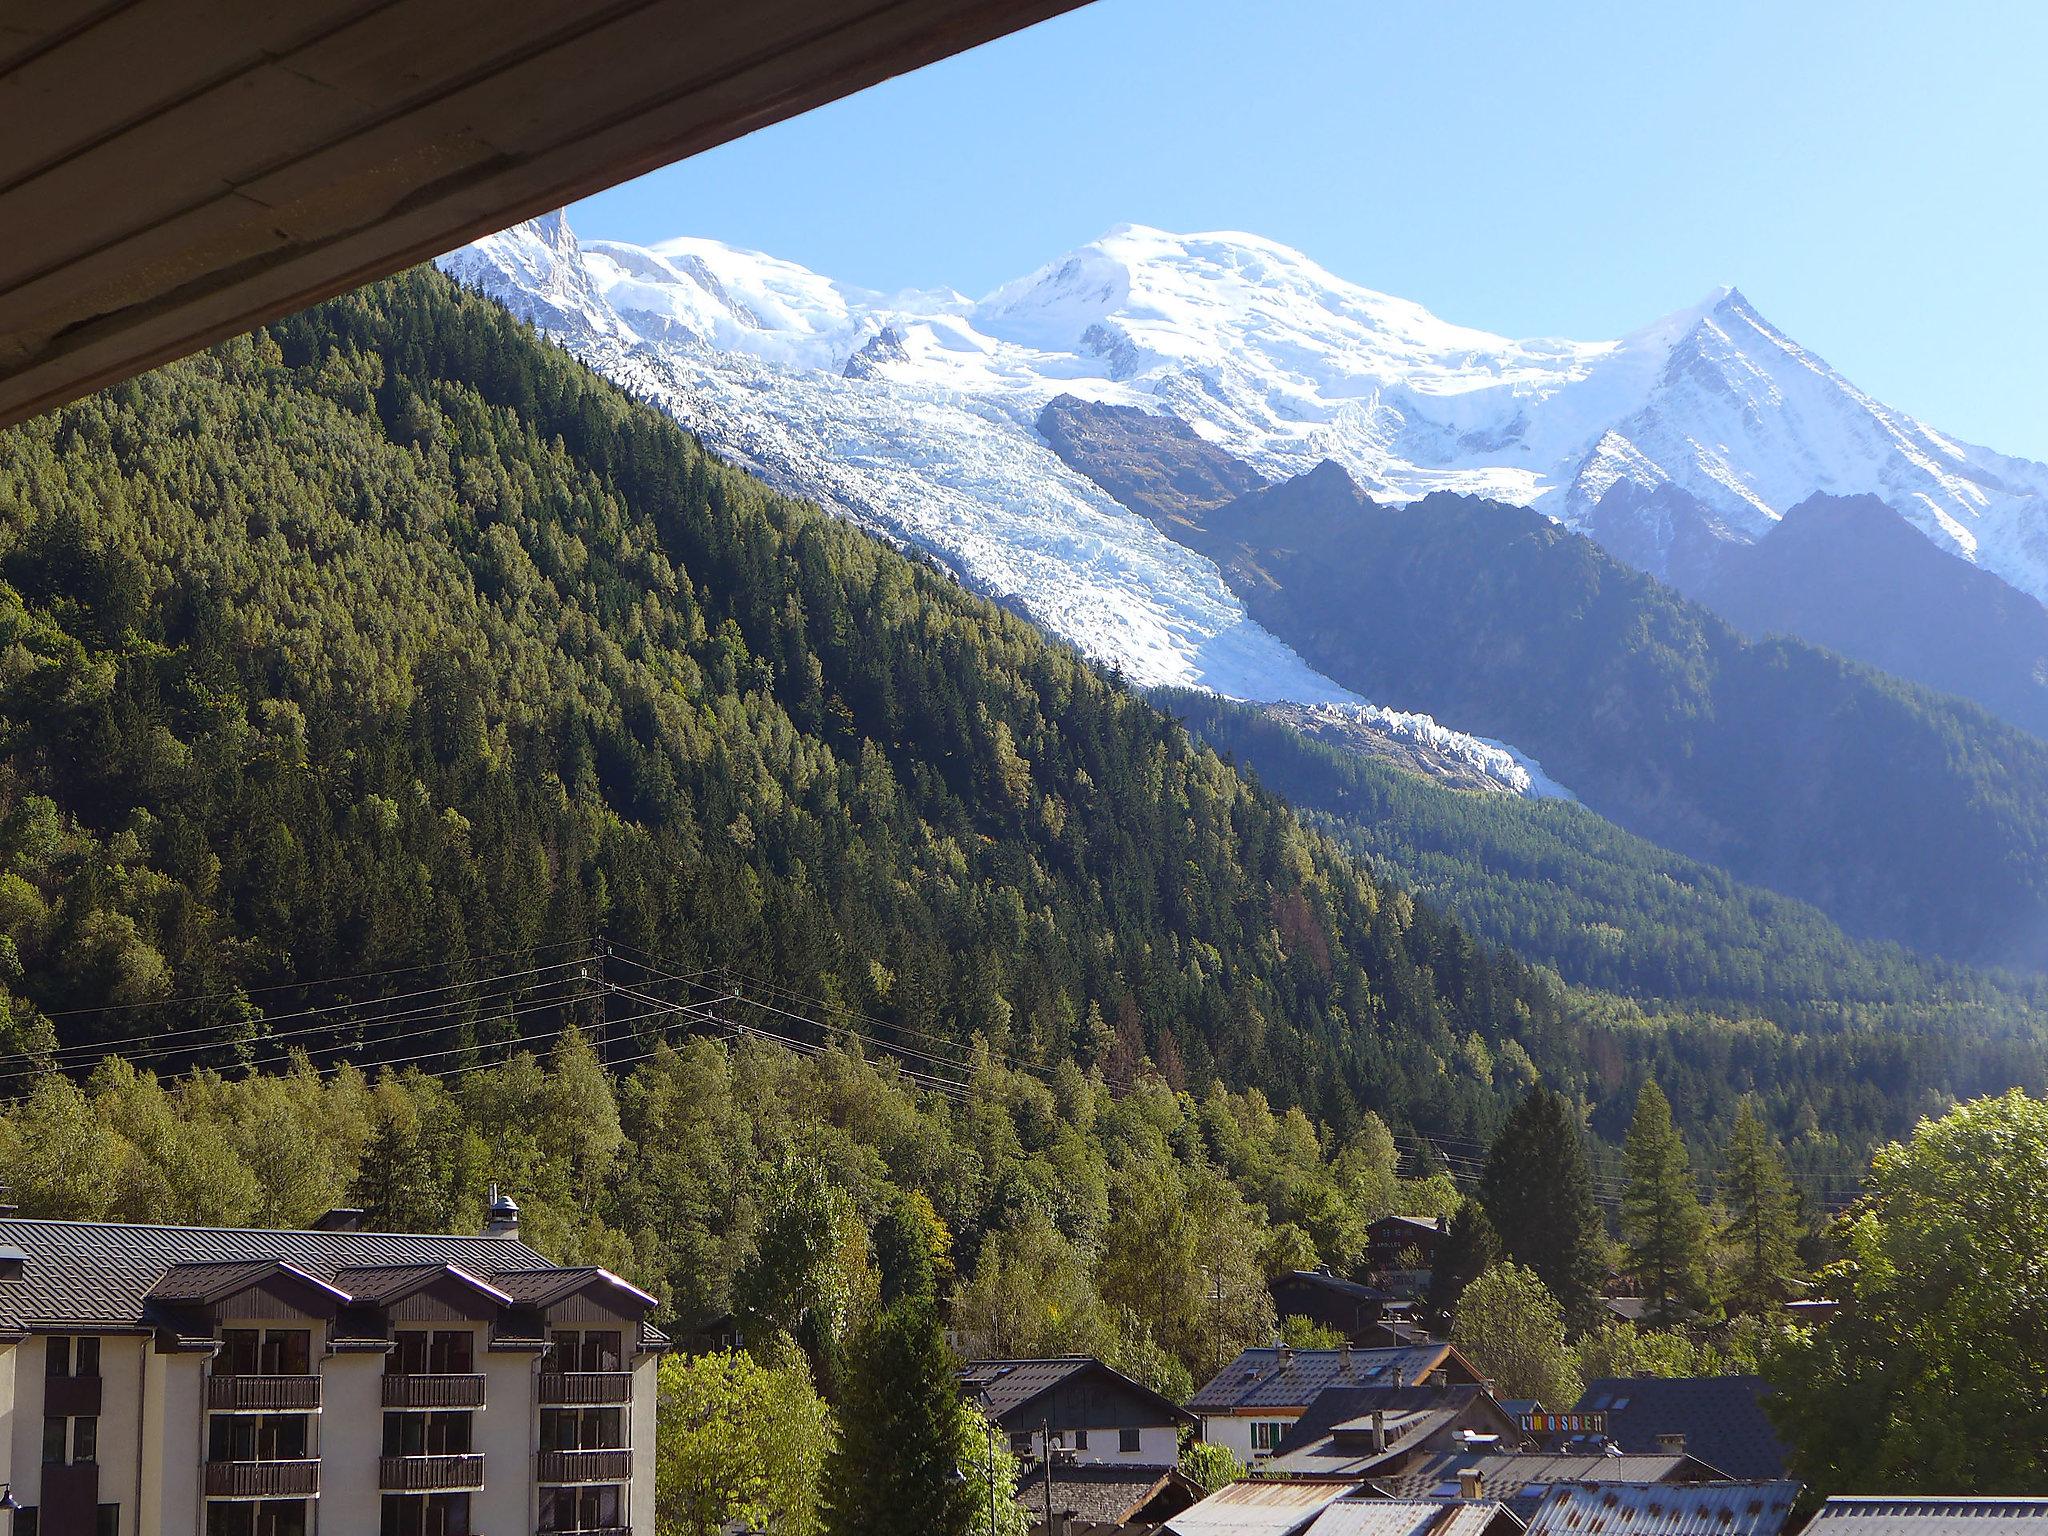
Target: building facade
[{"x": 179, "y": 1381}]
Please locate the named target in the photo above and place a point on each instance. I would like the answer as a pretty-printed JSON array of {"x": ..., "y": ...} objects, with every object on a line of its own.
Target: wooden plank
[{"x": 221, "y": 267}]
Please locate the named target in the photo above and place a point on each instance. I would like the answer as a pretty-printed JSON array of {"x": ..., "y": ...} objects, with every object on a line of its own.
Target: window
[
  {"x": 86, "y": 1357},
  {"x": 53, "y": 1441},
  {"x": 1265, "y": 1436},
  {"x": 1080, "y": 1439},
  {"x": 108, "y": 1522},
  {"x": 426, "y": 1434},
  {"x": 28, "y": 1521},
  {"x": 576, "y": 1509},
  {"x": 256, "y": 1437},
  {"x": 85, "y": 1440},
  {"x": 57, "y": 1356},
  {"x": 1020, "y": 1445},
  {"x": 588, "y": 1349},
  {"x": 424, "y": 1514},
  {"x": 272, "y": 1517},
  {"x": 582, "y": 1429},
  {"x": 1128, "y": 1441},
  {"x": 441, "y": 1352},
  {"x": 265, "y": 1352}
]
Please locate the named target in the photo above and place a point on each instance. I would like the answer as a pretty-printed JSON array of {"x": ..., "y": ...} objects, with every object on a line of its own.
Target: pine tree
[
  {"x": 1537, "y": 1189},
  {"x": 1662, "y": 1221},
  {"x": 1763, "y": 1215},
  {"x": 895, "y": 1464},
  {"x": 1470, "y": 1247}
]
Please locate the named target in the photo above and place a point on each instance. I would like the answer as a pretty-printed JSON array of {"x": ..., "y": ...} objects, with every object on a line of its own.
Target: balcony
[
  {"x": 263, "y": 1394},
  {"x": 590, "y": 1530},
  {"x": 564, "y": 1468},
  {"x": 430, "y": 1474},
  {"x": 262, "y": 1479},
  {"x": 446, "y": 1391},
  {"x": 585, "y": 1389}
]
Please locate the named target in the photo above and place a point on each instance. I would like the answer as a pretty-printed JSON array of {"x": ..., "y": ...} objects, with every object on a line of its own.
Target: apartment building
[{"x": 185, "y": 1381}]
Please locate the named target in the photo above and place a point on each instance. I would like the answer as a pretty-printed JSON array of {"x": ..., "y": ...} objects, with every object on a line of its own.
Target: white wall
[
  {"x": 1158, "y": 1446},
  {"x": 121, "y": 1426},
  {"x": 349, "y": 1439},
  {"x": 508, "y": 1433},
  {"x": 9, "y": 1354},
  {"x": 640, "y": 1436},
  {"x": 1234, "y": 1432}
]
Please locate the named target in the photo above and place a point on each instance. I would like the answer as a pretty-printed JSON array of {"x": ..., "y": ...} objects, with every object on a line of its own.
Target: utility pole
[
  {"x": 1045, "y": 1444},
  {"x": 599, "y": 950}
]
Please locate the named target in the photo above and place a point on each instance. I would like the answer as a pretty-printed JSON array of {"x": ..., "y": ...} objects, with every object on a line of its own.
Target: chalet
[
  {"x": 1522, "y": 1480},
  {"x": 1367, "y": 1317},
  {"x": 1906, "y": 1515},
  {"x": 1250, "y": 1403},
  {"x": 1368, "y": 1432},
  {"x": 1403, "y": 1243},
  {"x": 188, "y": 1381},
  {"x": 1662, "y": 1509},
  {"x": 1094, "y": 1415},
  {"x": 1099, "y": 1499},
  {"x": 1719, "y": 1419}
]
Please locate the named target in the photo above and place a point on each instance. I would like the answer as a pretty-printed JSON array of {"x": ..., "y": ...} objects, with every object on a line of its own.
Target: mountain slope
[
  {"x": 1850, "y": 574},
  {"x": 1264, "y": 353},
  {"x": 1901, "y": 813}
]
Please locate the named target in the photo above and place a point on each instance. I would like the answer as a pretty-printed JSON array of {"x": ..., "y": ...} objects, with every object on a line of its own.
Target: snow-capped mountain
[{"x": 914, "y": 413}]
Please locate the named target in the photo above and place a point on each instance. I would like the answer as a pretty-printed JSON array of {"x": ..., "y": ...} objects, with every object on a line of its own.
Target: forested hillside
[
  {"x": 389, "y": 636},
  {"x": 1902, "y": 813}
]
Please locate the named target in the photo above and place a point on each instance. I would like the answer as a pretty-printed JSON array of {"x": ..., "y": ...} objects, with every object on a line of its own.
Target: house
[
  {"x": 1250, "y": 1403},
  {"x": 1368, "y": 1318},
  {"x": 1521, "y": 1480},
  {"x": 1366, "y": 1432},
  {"x": 1750, "y": 1508},
  {"x": 1720, "y": 1419},
  {"x": 191, "y": 1381},
  {"x": 1098, "y": 1499},
  {"x": 1888, "y": 1514},
  {"x": 1393, "y": 1242},
  {"x": 1094, "y": 1415}
]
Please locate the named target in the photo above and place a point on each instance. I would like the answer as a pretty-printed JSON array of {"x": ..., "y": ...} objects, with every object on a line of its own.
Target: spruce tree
[
  {"x": 895, "y": 1464},
  {"x": 1470, "y": 1247},
  {"x": 1537, "y": 1189},
  {"x": 1662, "y": 1221},
  {"x": 1763, "y": 1215}
]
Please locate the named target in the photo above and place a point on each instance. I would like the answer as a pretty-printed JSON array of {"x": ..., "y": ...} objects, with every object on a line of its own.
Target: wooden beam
[{"x": 176, "y": 171}]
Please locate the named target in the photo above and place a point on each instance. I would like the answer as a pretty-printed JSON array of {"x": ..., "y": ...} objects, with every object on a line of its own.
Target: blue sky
[{"x": 1873, "y": 175}]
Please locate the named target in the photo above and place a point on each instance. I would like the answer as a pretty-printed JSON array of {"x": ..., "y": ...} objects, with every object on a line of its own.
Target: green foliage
[
  {"x": 1469, "y": 1248},
  {"x": 1209, "y": 1467},
  {"x": 991, "y": 1473},
  {"x": 1663, "y": 1225},
  {"x": 1932, "y": 1376},
  {"x": 737, "y": 1442},
  {"x": 1302, "y": 1333},
  {"x": 1537, "y": 1191},
  {"x": 895, "y": 1464},
  {"x": 1511, "y": 1327},
  {"x": 1618, "y": 1348},
  {"x": 1762, "y": 1230}
]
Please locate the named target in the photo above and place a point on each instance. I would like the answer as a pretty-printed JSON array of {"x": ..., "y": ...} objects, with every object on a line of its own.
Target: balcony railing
[
  {"x": 263, "y": 1394},
  {"x": 71, "y": 1397},
  {"x": 262, "y": 1479},
  {"x": 567, "y": 1467},
  {"x": 589, "y": 1530},
  {"x": 585, "y": 1389},
  {"x": 439, "y": 1391},
  {"x": 430, "y": 1474}
]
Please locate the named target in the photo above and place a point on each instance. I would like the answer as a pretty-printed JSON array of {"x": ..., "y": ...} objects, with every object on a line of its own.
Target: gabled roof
[
  {"x": 1282, "y": 1378},
  {"x": 203, "y": 1284},
  {"x": 1432, "y": 1225},
  {"x": 1688, "y": 1509},
  {"x": 1008, "y": 1387},
  {"x": 1412, "y": 1517},
  {"x": 1721, "y": 1417},
  {"x": 1103, "y": 1493},
  {"x": 101, "y": 1274},
  {"x": 382, "y": 1285},
  {"x": 543, "y": 1285},
  {"x": 1323, "y": 1280},
  {"x": 1893, "y": 1515},
  {"x": 1334, "y": 1437}
]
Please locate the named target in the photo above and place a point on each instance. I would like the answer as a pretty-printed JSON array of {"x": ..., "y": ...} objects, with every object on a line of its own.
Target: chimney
[
  {"x": 1379, "y": 1432},
  {"x": 343, "y": 1218},
  {"x": 1671, "y": 1444},
  {"x": 1471, "y": 1485},
  {"x": 503, "y": 1220}
]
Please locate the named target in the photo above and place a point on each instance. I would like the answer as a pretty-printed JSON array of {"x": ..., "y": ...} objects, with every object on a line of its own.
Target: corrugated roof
[
  {"x": 1406, "y": 1517},
  {"x": 1517, "y": 1480},
  {"x": 1292, "y": 1378},
  {"x": 1279, "y": 1508},
  {"x": 1721, "y": 1417},
  {"x": 1757, "y": 1508},
  {"x": 386, "y": 1284},
  {"x": 100, "y": 1274},
  {"x": 1333, "y": 1437},
  {"x": 1007, "y": 1386},
  {"x": 1888, "y": 1515}
]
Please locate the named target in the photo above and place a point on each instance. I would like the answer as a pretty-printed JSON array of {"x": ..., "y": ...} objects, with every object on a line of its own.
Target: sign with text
[{"x": 1564, "y": 1423}]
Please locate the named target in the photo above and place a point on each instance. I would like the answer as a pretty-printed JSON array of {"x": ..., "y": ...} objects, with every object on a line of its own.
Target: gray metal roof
[
  {"x": 1683, "y": 1509},
  {"x": 101, "y": 1274},
  {"x": 1101, "y": 1494},
  {"x": 1278, "y": 1508},
  {"x": 1409, "y": 1517},
  {"x": 1519, "y": 1480},
  {"x": 1293, "y": 1378},
  {"x": 1891, "y": 1515},
  {"x": 1721, "y": 1417},
  {"x": 1007, "y": 1386},
  {"x": 1333, "y": 1438}
]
